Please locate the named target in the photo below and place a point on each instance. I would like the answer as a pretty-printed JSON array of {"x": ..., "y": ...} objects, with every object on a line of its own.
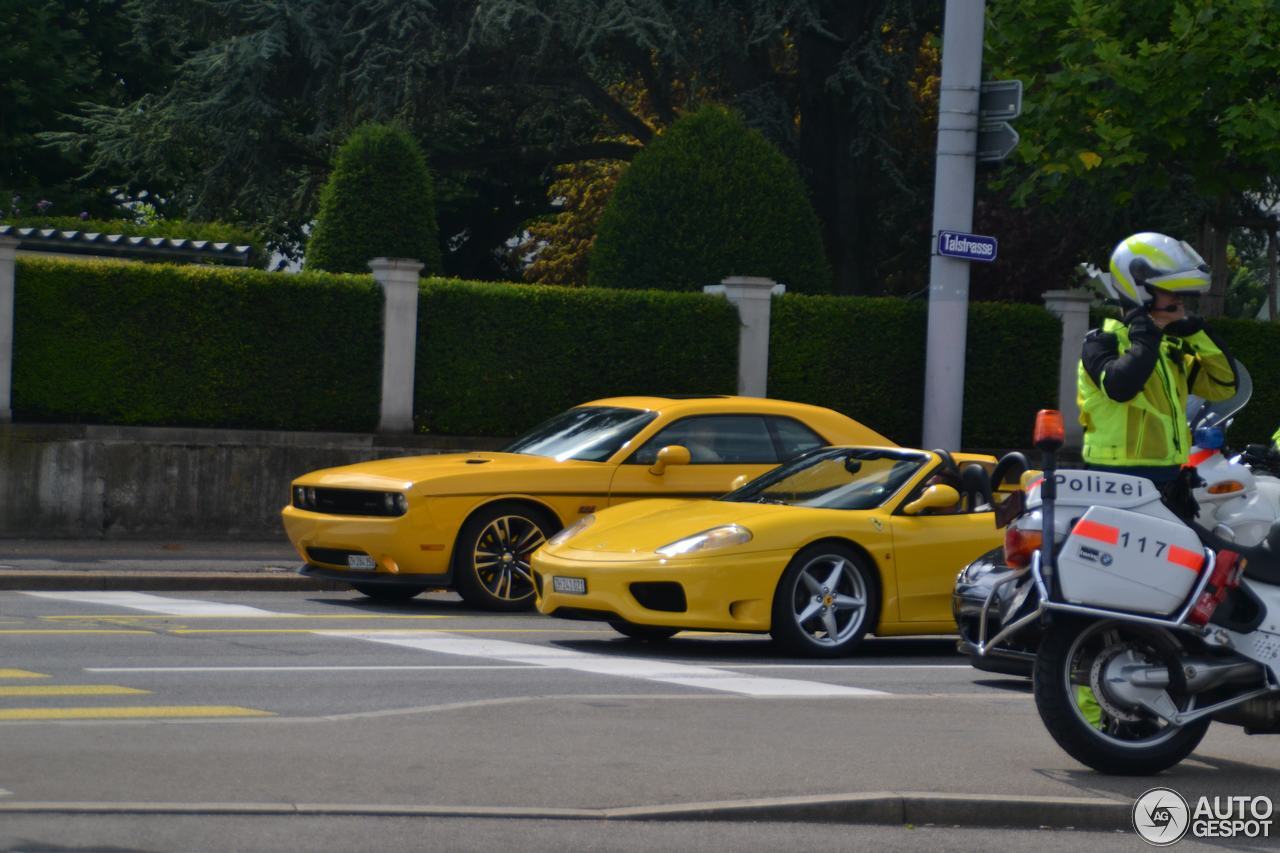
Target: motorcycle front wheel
[{"x": 1093, "y": 723}]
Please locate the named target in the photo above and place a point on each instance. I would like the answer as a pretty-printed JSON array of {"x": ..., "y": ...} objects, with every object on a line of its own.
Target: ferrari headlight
[
  {"x": 716, "y": 537},
  {"x": 572, "y": 530}
]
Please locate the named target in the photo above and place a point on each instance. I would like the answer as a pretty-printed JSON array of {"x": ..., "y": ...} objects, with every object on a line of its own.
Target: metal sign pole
[{"x": 952, "y": 211}]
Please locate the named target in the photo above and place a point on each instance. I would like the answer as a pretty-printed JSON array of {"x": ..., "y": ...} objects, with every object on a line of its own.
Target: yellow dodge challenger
[
  {"x": 839, "y": 542},
  {"x": 394, "y": 527}
]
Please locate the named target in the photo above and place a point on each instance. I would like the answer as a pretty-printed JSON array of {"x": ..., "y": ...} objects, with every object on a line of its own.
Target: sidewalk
[{"x": 152, "y": 565}]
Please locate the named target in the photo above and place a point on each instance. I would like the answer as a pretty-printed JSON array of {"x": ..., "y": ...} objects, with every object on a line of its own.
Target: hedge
[
  {"x": 176, "y": 229},
  {"x": 495, "y": 359},
  {"x": 128, "y": 343},
  {"x": 866, "y": 357}
]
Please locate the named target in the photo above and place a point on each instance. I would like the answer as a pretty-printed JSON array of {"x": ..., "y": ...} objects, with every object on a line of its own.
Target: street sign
[
  {"x": 967, "y": 247},
  {"x": 999, "y": 100},
  {"x": 996, "y": 142}
]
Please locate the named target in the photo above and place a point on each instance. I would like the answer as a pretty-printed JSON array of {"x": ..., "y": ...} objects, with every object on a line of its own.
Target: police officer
[{"x": 1134, "y": 376}]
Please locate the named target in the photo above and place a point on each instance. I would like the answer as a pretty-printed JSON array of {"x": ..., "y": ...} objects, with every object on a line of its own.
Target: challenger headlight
[
  {"x": 572, "y": 530},
  {"x": 716, "y": 537}
]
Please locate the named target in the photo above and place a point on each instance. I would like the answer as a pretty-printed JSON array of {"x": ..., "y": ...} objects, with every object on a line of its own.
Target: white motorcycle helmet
[{"x": 1149, "y": 260}]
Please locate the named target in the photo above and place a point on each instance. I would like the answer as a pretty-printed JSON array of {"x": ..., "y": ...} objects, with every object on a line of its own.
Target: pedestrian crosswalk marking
[
  {"x": 156, "y": 603},
  {"x": 73, "y": 690},
  {"x": 21, "y": 673},
  {"x": 131, "y": 712},
  {"x": 705, "y": 677}
]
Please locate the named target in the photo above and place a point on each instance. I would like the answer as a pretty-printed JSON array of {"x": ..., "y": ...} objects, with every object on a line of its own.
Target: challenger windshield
[
  {"x": 588, "y": 433},
  {"x": 835, "y": 478}
]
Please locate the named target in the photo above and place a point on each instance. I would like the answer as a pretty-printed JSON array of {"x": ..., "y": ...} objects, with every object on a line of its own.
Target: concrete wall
[{"x": 107, "y": 482}]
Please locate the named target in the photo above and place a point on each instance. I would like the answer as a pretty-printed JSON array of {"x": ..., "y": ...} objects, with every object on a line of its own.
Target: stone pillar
[
  {"x": 399, "y": 280},
  {"x": 8, "y": 258},
  {"x": 1072, "y": 307},
  {"x": 753, "y": 298}
]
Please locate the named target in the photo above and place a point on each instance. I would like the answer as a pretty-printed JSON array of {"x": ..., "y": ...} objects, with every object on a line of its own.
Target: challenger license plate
[
  {"x": 360, "y": 561},
  {"x": 570, "y": 586}
]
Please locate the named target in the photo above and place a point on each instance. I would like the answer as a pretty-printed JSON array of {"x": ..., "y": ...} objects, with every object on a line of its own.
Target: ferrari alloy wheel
[
  {"x": 826, "y": 601},
  {"x": 492, "y": 553}
]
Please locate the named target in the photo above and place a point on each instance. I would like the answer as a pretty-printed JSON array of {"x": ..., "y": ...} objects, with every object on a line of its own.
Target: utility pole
[{"x": 952, "y": 211}]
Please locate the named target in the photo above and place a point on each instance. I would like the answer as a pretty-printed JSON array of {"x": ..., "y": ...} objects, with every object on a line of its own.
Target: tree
[
  {"x": 1175, "y": 103},
  {"x": 707, "y": 199},
  {"x": 500, "y": 93},
  {"x": 378, "y": 202},
  {"x": 56, "y": 55}
]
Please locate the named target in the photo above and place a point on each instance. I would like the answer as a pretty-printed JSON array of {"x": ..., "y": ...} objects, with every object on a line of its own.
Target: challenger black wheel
[
  {"x": 1089, "y": 707},
  {"x": 491, "y": 568},
  {"x": 825, "y": 602}
]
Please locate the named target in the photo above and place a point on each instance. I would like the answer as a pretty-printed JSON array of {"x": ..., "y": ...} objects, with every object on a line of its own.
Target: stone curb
[
  {"x": 188, "y": 581},
  {"x": 991, "y": 811}
]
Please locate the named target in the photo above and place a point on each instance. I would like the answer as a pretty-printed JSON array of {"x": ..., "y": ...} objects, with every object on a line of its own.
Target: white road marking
[
  {"x": 669, "y": 672},
  {"x": 297, "y": 668},
  {"x": 157, "y": 603},
  {"x": 877, "y": 667},
  {"x": 685, "y": 675}
]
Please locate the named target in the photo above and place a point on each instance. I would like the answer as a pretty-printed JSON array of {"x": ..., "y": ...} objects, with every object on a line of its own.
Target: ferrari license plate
[
  {"x": 360, "y": 561},
  {"x": 571, "y": 586}
]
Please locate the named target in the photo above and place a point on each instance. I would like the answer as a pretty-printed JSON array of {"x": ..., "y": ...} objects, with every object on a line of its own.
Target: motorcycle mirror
[{"x": 1202, "y": 413}]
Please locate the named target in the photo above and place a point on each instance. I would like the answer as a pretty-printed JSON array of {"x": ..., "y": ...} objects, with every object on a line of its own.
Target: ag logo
[{"x": 1161, "y": 817}]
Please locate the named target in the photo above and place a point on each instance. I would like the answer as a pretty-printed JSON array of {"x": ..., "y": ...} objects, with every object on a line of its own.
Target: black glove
[
  {"x": 1188, "y": 325},
  {"x": 1142, "y": 327}
]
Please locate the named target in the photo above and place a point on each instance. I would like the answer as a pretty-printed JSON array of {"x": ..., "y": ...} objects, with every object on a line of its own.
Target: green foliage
[
  {"x": 495, "y": 359},
  {"x": 1255, "y": 346},
  {"x": 709, "y": 199},
  {"x": 217, "y": 232},
  {"x": 379, "y": 202},
  {"x": 126, "y": 343},
  {"x": 1136, "y": 94},
  {"x": 866, "y": 357},
  {"x": 55, "y": 56}
]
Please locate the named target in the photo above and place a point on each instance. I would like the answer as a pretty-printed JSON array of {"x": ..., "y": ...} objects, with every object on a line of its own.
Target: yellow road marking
[
  {"x": 115, "y": 617},
  {"x": 108, "y": 713},
  {"x": 73, "y": 630},
  {"x": 72, "y": 690},
  {"x": 20, "y": 673}
]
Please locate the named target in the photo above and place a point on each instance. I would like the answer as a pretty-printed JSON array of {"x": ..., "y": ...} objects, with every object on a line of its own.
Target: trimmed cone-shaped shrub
[
  {"x": 378, "y": 202},
  {"x": 709, "y": 198}
]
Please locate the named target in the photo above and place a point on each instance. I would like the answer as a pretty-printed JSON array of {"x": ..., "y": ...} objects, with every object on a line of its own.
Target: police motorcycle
[
  {"x": 1240, "y": 492},
  {"x": 1152, "y": 626}
]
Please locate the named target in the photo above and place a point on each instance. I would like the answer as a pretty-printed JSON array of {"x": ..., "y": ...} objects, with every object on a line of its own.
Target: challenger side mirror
[
  {"x": 672, "y": 454},
  {"x": 934, "y": 497}
]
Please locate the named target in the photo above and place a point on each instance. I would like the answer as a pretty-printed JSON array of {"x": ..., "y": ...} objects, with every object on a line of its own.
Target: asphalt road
[{"x": 279, "y": 701}]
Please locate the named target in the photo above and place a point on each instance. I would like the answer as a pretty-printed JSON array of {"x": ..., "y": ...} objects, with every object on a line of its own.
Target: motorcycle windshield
[{"x": 1202, "y": 413}]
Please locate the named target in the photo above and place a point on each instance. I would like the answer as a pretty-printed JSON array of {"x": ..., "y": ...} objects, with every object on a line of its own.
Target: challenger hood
[{"x": 461, "y": 473}]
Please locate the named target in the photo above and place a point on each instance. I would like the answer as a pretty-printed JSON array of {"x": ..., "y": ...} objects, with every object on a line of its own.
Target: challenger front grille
[{"x": 350, "y": 501}]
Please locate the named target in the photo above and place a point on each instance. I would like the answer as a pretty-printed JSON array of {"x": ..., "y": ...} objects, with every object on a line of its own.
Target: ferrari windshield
[
  {"x": 835, "y": 478},
  {"x": 588, "y": 433}
]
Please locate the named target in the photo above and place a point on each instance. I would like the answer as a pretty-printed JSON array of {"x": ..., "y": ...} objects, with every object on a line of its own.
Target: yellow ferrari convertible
[
  {"x": 818, "y": 552},
  {"x": 394, "y": 527}
]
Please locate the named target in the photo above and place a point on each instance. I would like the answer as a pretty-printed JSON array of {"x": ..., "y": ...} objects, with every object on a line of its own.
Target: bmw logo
[{"x": 1107, "y": 559}]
